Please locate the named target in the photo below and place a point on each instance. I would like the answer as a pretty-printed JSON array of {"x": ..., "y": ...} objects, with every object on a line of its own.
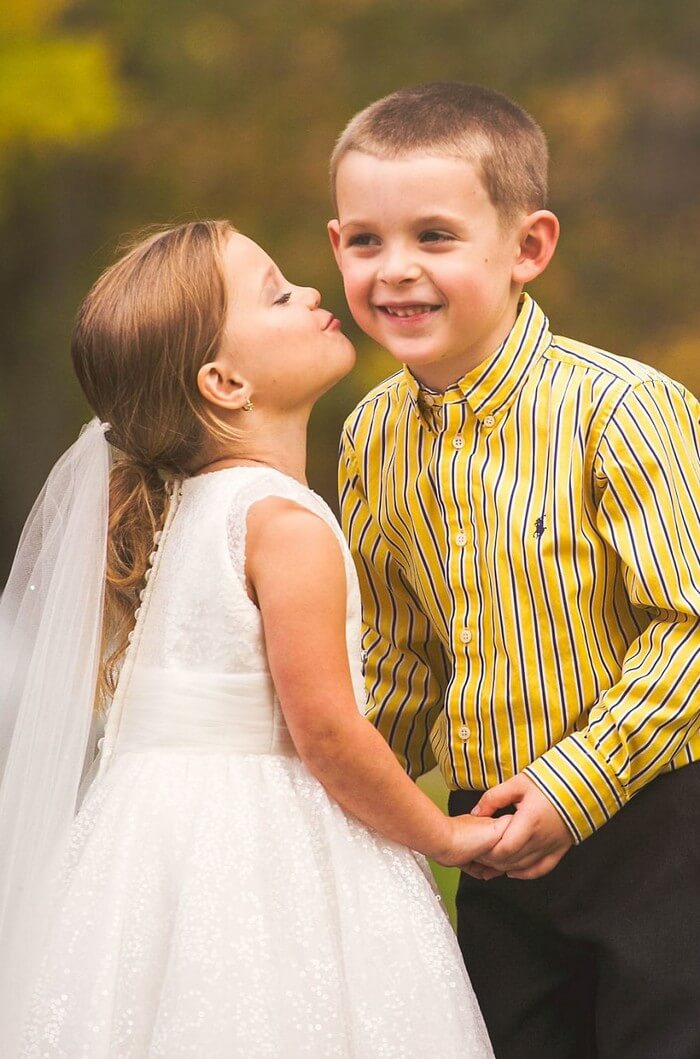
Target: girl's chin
[{"x": 342, "y": 369}]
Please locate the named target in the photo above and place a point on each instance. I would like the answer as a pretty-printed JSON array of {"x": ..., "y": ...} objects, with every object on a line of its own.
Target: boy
[{"x": 523, "y": 511}]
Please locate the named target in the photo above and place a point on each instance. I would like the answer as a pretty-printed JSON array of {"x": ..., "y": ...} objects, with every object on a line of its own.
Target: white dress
[{"x": 216, "y": 902}]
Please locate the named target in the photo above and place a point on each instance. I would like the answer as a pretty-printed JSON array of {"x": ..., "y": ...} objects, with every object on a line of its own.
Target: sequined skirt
[{"x": 222, "y": 906}]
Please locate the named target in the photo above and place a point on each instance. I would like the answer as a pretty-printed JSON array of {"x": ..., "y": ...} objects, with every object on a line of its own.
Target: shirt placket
[{"x": 458, "y": 439}]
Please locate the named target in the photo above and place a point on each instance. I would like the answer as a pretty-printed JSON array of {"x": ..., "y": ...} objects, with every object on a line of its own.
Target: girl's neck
[{"x": 284, "y": 451}]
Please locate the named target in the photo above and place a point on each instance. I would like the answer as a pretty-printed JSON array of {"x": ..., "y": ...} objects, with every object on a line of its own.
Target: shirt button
[
  {"x": 489, "y": 421},
  {"x": 464, "y": 732},
  {"x": 465, "y": 636},
  {"x": 461, "y": 538},
  {"x": 458, "y": 442}
]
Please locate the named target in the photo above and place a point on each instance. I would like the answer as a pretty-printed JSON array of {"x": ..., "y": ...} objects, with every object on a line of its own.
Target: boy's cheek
[
  {"x": 358, "y": 304},
  {"x": 358, "y": 299},
  {"x": 357, "y": 280}
]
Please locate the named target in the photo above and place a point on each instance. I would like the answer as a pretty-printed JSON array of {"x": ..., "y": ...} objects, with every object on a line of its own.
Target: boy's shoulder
[
  {"x": 593, "y": 360},
  {"x": 612, "y": 385}
]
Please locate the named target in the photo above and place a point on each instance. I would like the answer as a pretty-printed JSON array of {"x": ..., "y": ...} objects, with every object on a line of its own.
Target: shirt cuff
[{"x": 579, "y": 783}]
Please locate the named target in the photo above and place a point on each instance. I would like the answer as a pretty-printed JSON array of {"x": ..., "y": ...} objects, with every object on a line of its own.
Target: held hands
[
  {"x": 535, "y": 839},
  {"x": 470, "y": 839}
]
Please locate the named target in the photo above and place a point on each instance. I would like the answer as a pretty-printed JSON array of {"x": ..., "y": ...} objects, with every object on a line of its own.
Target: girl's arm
[{"x": 297, "y": 577}]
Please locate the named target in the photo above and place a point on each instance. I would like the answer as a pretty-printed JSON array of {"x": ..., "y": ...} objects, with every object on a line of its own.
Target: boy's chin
[{"x": 416, "y": 359}]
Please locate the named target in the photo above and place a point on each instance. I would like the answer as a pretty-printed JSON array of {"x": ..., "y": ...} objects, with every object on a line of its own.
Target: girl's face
[{"x": 279, "y": 339}]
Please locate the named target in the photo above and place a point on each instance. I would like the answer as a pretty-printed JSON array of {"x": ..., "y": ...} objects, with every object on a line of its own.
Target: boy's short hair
[{"x": 478, "y": 124}]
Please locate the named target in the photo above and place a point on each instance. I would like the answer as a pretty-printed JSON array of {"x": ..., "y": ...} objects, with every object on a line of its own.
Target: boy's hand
[{"x": 536, "y": 838}]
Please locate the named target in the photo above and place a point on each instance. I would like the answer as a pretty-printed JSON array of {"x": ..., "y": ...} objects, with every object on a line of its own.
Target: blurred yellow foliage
[
  {"x": 56, "y": 86},
  {"x": 57, "y": 90},
  {"x": 29, "y": 16}
]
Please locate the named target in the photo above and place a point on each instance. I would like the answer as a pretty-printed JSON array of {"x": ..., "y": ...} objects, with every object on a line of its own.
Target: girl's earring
[{"x": 248, "y": 406}]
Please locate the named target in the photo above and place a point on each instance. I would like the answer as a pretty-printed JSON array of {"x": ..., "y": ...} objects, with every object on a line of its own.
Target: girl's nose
[{"x": 311, "y": 297}]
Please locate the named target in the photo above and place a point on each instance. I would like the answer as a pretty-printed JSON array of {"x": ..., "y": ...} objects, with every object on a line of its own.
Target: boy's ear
[
  {"x": 221, "y": 387},
  {"x": 537, "y": 240},
  {"x": 334, "y": 236}
]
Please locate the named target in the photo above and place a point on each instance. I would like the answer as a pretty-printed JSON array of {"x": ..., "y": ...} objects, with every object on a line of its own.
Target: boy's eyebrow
[{"x": 422, "y": 221}]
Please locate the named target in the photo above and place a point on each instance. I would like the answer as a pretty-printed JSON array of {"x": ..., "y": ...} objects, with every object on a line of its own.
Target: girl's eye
[
  {"x": 283, "y": 298},
  {"x": 365, "y": 239},
  {"x": 434, "y": 237}
]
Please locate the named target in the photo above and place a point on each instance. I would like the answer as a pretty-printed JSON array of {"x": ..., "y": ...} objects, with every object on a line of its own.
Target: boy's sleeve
[
  {"x": 648, "y": 468},
  {"x": 404, "y": 664}
]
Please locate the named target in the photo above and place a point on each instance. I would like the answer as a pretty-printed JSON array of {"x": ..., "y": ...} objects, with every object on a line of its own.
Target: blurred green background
[{"x": 116, "y": 114}]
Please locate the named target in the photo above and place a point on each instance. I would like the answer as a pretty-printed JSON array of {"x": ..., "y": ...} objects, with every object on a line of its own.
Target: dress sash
[{"x": 215, "y": 712}]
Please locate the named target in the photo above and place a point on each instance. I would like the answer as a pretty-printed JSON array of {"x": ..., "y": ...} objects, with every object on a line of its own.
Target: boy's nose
[{"x": 398, "y": 268}]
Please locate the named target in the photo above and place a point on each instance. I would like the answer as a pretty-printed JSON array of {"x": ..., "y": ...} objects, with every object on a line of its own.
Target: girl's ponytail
[{"x": 137, "y": 504}]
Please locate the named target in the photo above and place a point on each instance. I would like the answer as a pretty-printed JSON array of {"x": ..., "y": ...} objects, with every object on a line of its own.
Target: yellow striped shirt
[{"x": 528, "y": 546}]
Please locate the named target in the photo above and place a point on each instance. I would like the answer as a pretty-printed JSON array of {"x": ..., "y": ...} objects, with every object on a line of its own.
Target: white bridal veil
[{"x": 50, "y": 629}]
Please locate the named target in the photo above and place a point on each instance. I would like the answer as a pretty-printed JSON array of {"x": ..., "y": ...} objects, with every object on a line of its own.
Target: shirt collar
[{"x": 492, "y": 385}]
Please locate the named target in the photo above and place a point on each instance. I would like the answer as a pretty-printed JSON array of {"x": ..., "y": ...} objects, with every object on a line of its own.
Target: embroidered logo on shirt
[{"x": 540, "y": 527}]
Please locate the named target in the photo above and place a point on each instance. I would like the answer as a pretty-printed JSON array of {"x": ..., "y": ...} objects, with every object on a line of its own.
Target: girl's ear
[
  {"x": 537, "y": 242},
  {"x": 223, "y": 388},
  {"x": 334, "y": 236}
]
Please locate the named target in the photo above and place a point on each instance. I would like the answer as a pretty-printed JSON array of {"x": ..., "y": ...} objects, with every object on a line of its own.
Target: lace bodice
[{"x": 199, "y": 623}]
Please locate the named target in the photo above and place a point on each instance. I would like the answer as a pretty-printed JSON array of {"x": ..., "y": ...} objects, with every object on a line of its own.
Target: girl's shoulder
[
  {"x": 235, "y": 489},
  {"x": 232, "y": 492},
  {"x": 238, "y": 488},
  {"x": 267, "y": 483}
]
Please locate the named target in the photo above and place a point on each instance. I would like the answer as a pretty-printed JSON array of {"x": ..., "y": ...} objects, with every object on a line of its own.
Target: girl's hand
[{"x": 472, "y": 838}]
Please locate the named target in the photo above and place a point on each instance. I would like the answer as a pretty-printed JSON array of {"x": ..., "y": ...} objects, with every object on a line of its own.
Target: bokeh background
[{"x": 117, "y": 114}]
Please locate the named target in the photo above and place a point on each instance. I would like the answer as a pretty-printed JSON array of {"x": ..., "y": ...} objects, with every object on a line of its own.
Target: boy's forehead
[{"x": 431, "y": 181}]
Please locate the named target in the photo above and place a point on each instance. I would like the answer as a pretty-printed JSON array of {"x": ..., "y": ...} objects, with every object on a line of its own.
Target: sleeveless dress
[{"x": 216, "y": 902}]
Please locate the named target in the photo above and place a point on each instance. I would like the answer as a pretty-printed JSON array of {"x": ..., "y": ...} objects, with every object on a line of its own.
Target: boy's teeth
[{"x": 408, "y": 310}]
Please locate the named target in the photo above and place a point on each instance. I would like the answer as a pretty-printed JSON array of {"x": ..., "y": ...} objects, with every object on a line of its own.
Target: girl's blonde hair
[{"x": 141, "y": 335}]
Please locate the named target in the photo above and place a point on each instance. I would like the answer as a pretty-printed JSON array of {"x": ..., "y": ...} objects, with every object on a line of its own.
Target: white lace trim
[{"x": 261, "y": 485}]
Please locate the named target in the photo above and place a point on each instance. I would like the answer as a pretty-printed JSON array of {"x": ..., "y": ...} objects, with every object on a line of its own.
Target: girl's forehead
[
  {"x": 248, "y": 267},
  {"x": 241, "y": 250}
]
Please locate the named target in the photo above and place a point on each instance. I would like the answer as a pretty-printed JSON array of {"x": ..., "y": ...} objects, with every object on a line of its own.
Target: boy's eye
[
  {"x": 433, "y": 236},
  {"x": 283, "y": 298},
  {"x": 364, "y": 239}
]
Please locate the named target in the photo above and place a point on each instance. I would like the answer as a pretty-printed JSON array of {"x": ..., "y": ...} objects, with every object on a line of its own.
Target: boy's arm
[
  {"x": 648, "y": 465},
  {"x": 404, "y": 663}
]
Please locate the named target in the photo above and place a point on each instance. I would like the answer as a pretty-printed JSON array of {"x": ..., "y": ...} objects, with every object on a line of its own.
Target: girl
[{"x": 238, "y": 881}]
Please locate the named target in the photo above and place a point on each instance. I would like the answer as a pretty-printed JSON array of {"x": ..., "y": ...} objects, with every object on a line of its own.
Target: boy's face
[{"x": 430, "y": 272}]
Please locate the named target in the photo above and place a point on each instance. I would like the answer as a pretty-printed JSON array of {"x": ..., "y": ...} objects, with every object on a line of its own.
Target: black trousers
[{"x": 600, "y": 959}]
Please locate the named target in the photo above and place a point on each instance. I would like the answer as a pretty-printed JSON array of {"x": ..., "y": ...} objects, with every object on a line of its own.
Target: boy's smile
[{"x": 431, "y": 272}]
